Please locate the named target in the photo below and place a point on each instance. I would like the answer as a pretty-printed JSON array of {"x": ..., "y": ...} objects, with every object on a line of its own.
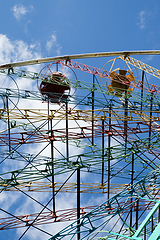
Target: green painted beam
[
  {"x": 156, "y": 233},
  {"x": 119, "y": 235},
  {"x": 146, "y": 220}
]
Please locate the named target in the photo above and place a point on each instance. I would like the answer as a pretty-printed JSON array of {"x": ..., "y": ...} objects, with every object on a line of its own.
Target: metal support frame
[
  {"x": 93, "y": 96},
  {"x": 50, "y": 129},
  {"x": 109, "y": 151},
  {"x": 107, "y": 206},
  {"x": 78, "y": 203},
  {"x": 8, "y": 123},
  {"x": 102, "y": 181},
  {"x": 52, "y": 159},
  {"x": 142, "y": 91},
  {"x": 150, "y": 122},
  {"x": 125, "y": 117},
  {"x": 87, "y": 221},
  {"x": 132, "y": 177},
  {"x": 145, "y": 222},
  {"x": 67, "y": 142},
  {"x": 137, "y": 207}
]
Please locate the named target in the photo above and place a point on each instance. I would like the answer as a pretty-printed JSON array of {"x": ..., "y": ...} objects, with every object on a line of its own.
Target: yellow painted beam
[{"x": 96, "y": 188}]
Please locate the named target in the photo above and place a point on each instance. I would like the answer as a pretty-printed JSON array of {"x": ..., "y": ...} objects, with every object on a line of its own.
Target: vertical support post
[
  {"x": 9, "y": 132},
  {"x": 125, "y": 119},
  {"x": 145, "y": 233},
  {"x": 152, "y": 225},
  {"x": 78, "y": 203},
  {"x": 52, "y": 160},
  {"x": 93, "y": 111},
  {"x": 57, "y": 66},
  {"x": 67, "y": 144},
  {"x": 137, "y": 208},
  {"x": 50, "y": 129},
  {"x": 150, "y": 123},
  {"x": 109, "y": 150},
  {"x": 102, "y": 152},
  {"x": 132, "y": 176},
  {"x": 142, "y": 91},
  {"x": 48, "y": 114}
]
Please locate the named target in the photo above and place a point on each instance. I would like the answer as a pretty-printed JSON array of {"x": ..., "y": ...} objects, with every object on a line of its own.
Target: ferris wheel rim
[{"x": 79, "y": 56}]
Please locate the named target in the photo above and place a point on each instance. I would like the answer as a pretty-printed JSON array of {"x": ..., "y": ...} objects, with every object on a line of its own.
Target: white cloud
[
  {"x": 52, "y": 42},
  {"x": 19, "y": 11},
  {"x": 142, "y": 19},
  {"x": 12, "y": 51}
]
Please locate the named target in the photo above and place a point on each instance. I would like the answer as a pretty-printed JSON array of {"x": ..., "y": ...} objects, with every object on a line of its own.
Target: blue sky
[
  {"x": 71, "y": 27},
  {"x": 41, "y": 29}
]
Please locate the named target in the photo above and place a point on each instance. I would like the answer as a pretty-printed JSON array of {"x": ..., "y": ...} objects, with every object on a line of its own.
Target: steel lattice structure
[{"x": 98, "y": 143}]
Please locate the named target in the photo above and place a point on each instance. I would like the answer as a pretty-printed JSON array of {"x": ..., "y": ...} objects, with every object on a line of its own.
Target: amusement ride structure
[{"x": 83, "y": 137}]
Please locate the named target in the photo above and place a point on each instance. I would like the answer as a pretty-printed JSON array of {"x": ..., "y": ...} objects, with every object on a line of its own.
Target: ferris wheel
[{"x": 80, "y": 148}]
